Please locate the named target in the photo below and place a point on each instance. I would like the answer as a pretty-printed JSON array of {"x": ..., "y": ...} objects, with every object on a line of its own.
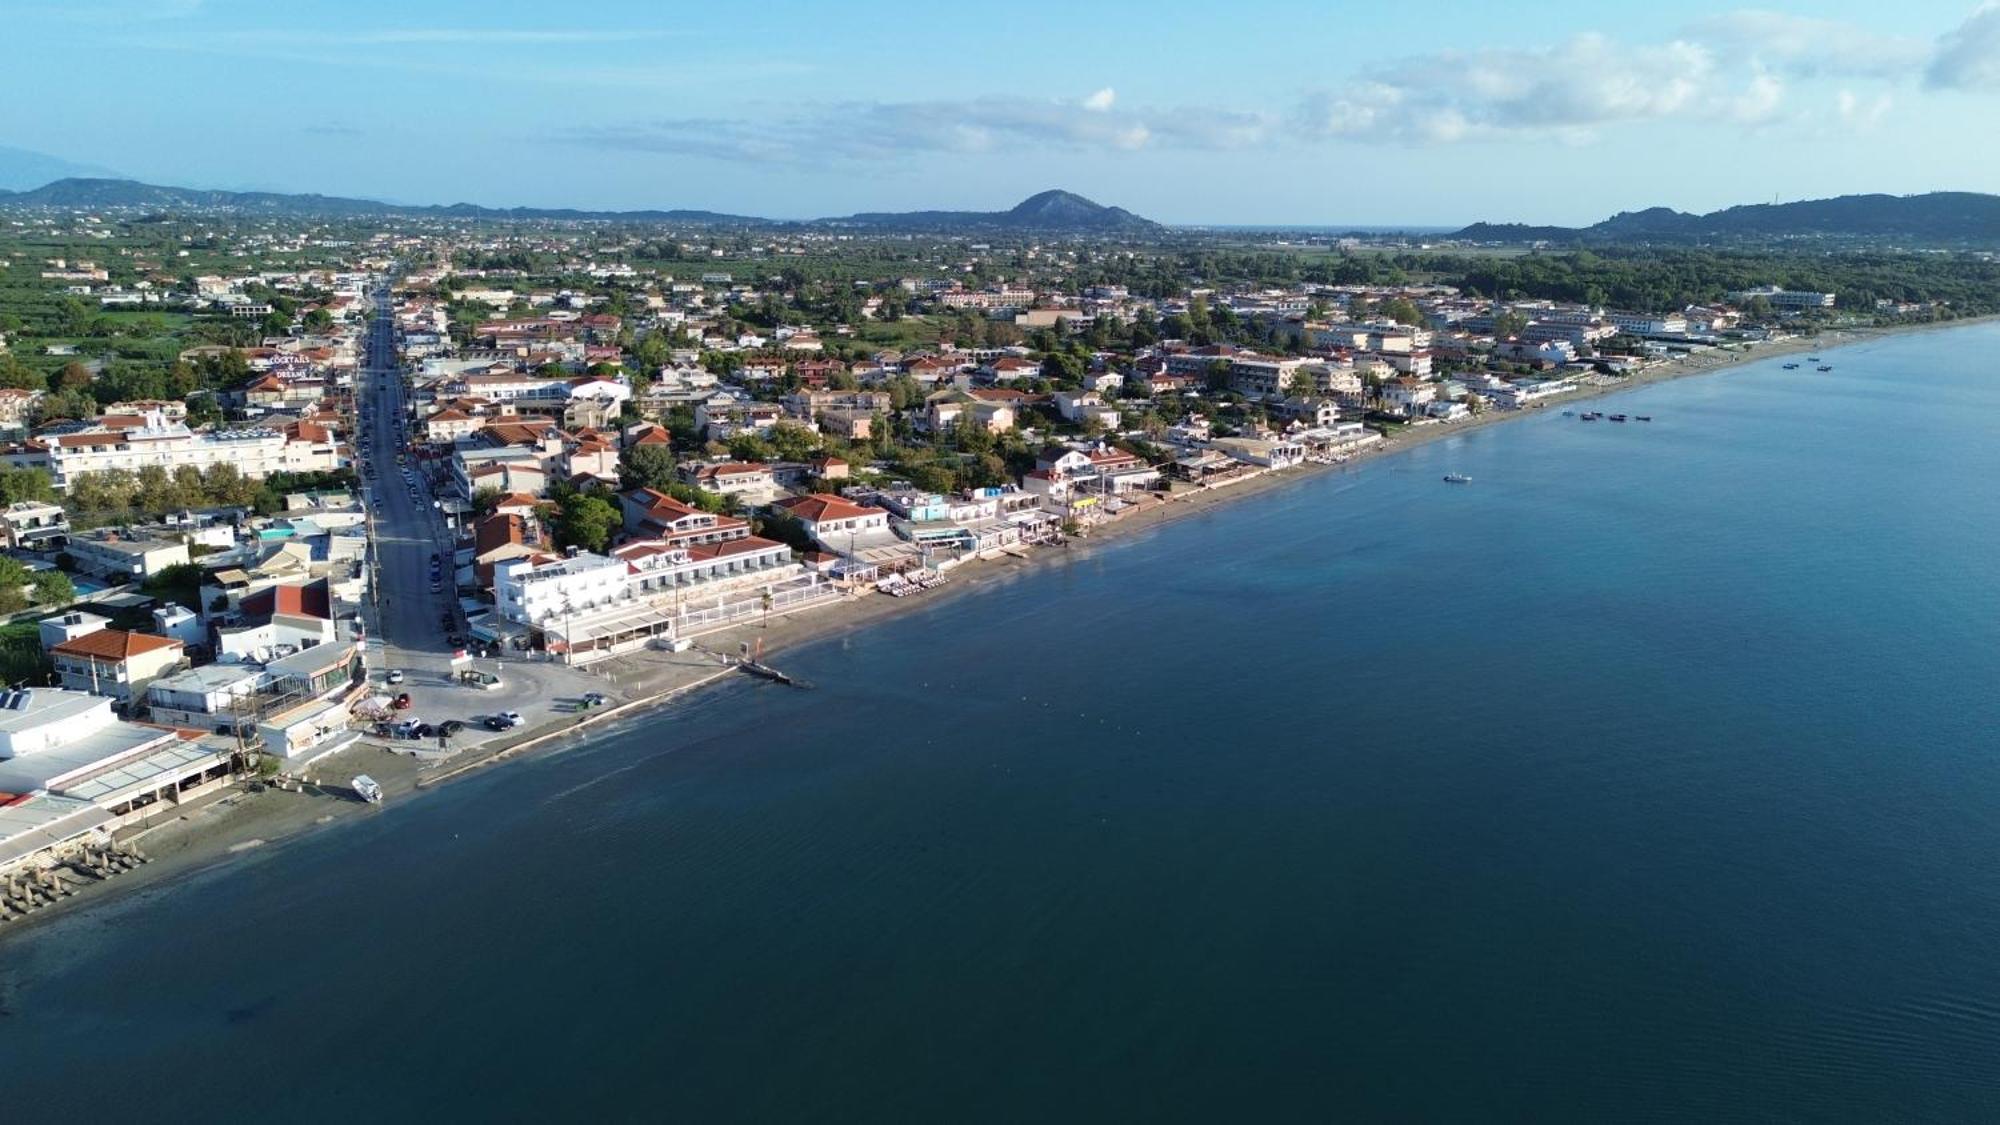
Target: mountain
[
  {"x": 1939, "y": 216},
  {"x": 1050, "y": 210},
  {"x": 130, "y": 194}
]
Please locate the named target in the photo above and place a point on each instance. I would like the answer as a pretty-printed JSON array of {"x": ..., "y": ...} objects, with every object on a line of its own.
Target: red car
[{"x": 402, "y": 702}]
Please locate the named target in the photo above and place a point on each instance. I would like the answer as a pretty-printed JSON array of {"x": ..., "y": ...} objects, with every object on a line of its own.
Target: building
[
  {"x": 652, "y": 514},
  {"x": 752, "y": 481},
  {"x": 123, "y": 556},
  {"x": 255, "y": 453},
  {"x": 115, "y": 663},
  {"x": 1790, "y": 299},
  {"x": 70, "y": 744},
  {"x": 534, "y": 588},
  {"x": 32, "y": 525}
]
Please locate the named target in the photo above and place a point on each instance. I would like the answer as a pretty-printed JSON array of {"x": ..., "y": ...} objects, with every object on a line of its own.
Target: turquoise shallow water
[{"x": 1652, "y": 777}]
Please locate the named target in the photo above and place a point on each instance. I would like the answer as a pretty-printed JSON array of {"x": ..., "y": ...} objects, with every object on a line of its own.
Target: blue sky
[{"x": 1228, "y": 113}]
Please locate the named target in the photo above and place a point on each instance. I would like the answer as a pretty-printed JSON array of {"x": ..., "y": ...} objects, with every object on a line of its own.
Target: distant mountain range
[
  {"x": 22, "y": 168},
  {"x": 1939, "y": 216},
  {"x": 1050, "y": 210}
]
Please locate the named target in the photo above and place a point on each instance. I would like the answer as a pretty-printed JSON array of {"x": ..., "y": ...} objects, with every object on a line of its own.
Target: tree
[
  {"x": 793, "y": 442},
  {"x": 14, "y": 583},
  {"x": 24, "y": 484},
  {"x": 647, "y": 466},
  {"x": 1508, "y": 325},
  {"x": 19, "y": 376},
  {"x": 62, "y": 404},
  {"x": 485, "y": 499},
  {"x": 74, "y": 376},
  {"x": 1063, "y": 369},
  {"x": 53, "y": 587},
  {"x": 1402, "y": 310},
  {"x": 587, "y": 521},
  {"x": 749, "y": 447}
]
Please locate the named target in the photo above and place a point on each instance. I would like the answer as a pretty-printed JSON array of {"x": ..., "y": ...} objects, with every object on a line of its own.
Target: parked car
[
  {"x": 511, "y": 718},
  {"x": 395, "y": 675},
  {"x": 424, "y": 730},
  {"x": 450, "y": 727},
  {"x": 402, "y": 701},
  {"x": 495, "y": 722},
  {"x": 594, "y": 699}
]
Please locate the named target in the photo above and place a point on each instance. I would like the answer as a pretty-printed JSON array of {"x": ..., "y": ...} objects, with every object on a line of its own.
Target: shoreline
[{"x": 208, "y": 834}]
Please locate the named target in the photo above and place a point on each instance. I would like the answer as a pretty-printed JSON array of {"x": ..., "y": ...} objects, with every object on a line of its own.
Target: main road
[{"x": 414, "y": 615}]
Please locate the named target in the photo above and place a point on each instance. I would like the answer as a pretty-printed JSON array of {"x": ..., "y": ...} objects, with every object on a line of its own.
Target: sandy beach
[{"x": 215, "y": 831}]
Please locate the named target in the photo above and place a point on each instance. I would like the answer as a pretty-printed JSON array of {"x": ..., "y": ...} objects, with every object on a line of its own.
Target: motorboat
[
  {"x": 1617, "y": 417},
  {"x": 367, "y": 788},
  {"x": 1457, "y": 478}
]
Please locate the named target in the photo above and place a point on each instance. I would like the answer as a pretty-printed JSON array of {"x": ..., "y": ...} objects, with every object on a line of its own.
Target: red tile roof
[
  {"x": 822, "y": 506},
  {"x": 114, "y": 645}
]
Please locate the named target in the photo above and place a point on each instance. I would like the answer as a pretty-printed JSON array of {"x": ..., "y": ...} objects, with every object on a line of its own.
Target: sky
[{"x": 1320, "y": 112}]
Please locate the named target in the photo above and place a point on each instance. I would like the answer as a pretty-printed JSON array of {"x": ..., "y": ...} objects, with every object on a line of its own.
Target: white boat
[
  {"x": 367, "y": 788},
  {"x": 1457, "y": 478}
]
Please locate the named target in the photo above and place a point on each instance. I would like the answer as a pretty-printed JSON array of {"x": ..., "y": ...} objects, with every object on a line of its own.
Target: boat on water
[
  {"x": 1790, "y": 366},
  {"x": 1617, "y": 417},
  {"x": 367, "y": 788},
  {"x": 1457, "y": 478},
  {"x": 1642, "y": 417},
  {"x": 1591, "y": 415},
  {"x": 1826, "y": 367}
]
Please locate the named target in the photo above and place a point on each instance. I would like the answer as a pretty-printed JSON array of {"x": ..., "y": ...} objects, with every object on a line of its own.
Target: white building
[
  {"x": 70, "y": 744},
  {"x": 535, "y": 588}
]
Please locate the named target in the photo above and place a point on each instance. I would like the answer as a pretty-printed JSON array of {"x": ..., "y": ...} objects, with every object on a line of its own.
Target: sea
[{"x": 1652, "y": 776}]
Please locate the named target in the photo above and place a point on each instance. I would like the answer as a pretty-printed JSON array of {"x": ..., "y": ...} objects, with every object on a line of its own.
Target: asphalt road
[
  {"x": 408, "y": 627},
  {"x": 408, "y": 530}
]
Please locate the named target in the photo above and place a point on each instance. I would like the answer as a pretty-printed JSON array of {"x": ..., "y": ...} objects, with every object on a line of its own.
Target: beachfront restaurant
[
  {"x": 70, "y": 744},
  {"x": 35, "y": 827},
  {"x": 581, "y": 638}
]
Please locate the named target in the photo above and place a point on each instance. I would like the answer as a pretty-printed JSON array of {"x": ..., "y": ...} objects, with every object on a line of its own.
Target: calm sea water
[{"x": 1655, "y": 776}]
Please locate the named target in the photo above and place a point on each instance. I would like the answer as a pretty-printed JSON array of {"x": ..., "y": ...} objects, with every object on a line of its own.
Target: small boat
[
  {"x": 1812, "y": 359},
  {"x": 1569, "y": 413},
  {"x": 1590, "y": 417},
  {"x": 367, "y": 788},
  {"x": 1791, "y": 366},
  {"x": 1457, "y": 478},
  {"x": 1826, "y": 367},
  {"x": 1617, "y": 417},
  {"x": 1642, "y": 417}
]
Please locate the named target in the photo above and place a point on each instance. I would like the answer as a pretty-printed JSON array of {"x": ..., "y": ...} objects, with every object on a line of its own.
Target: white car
[
  {"x": 511, "y": 718},
  {"x": 395, "y": 676}
]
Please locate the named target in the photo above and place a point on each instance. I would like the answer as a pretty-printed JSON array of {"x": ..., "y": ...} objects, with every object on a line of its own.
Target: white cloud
[
  {"x": 1968, "y": 56},
  {"x": 1808, "y": 46},
  {"x": 1567, "y": 92},
  {"x": 1101, "y": 100},
  {"x": 1862, "y": 113}
]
